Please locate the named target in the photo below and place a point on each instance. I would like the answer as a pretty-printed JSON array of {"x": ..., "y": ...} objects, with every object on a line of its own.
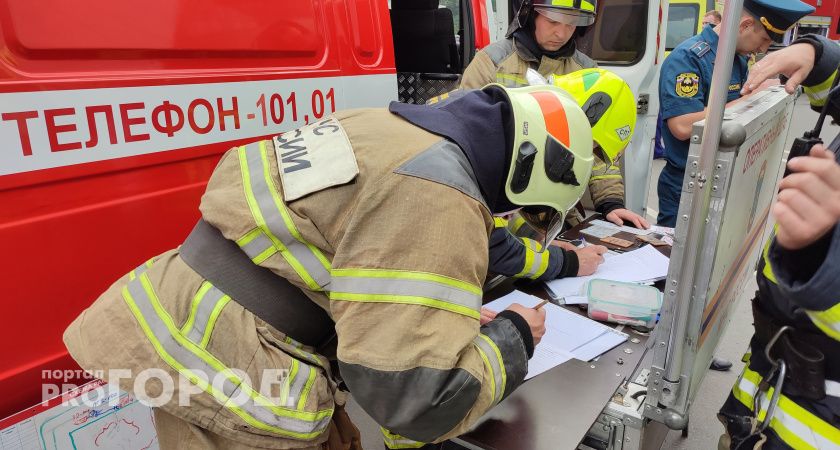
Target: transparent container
[{"x": 625, "y": 303}]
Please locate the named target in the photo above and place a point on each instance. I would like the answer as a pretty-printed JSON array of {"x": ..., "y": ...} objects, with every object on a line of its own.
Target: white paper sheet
[
  {"x": 631, "y": 230},
  {"x": 638, "y": 266},
  {"x": 568, "y": 335}
]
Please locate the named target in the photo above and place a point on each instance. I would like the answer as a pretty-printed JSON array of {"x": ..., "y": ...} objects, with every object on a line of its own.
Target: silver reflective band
[
  {"x": 187, "y": 359},
  {"x": 203, "y": 313},
  {"x": 495, "y": 366},
  {"x": 257, "y": 246},
  {"x": 406, "y": 287},
  {"x": 270, "y": 211}
]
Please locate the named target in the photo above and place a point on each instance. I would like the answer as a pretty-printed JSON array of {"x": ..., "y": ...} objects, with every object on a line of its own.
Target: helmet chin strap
[{"x": 506, "y": 213}]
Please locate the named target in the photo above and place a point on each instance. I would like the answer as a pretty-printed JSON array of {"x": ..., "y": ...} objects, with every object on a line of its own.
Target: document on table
[
  {"x": 643, "y": 265},
  {"x": 568, "y": 335},
  {"x": 617, "y": 228}
]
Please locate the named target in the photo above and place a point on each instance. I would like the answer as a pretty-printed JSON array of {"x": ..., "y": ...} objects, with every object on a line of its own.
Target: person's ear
[{"x": 746, "y": 23}]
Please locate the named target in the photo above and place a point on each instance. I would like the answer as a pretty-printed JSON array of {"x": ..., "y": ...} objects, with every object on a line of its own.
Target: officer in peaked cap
[
  {"x": 685, "y": 82},
  {"x": 777, "y": 16}
]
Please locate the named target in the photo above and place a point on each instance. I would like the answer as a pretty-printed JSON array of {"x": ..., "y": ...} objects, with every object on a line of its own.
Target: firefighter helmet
[
  {"x": 552, "y": 155},
  {"x": 609, "y": 105},
  {"x": 569, "y": 12}
]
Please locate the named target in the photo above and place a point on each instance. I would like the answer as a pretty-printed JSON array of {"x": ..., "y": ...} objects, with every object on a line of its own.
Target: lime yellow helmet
[
  {"x": 609, "y": 105},
  {"x": 552, "y": 155},
  {"x": 570, "y": 12}
]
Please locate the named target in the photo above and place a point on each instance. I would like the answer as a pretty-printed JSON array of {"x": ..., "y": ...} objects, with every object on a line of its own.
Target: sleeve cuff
[
  {"x": 826, "y": 55},
  {"x": 669, "y": 110},
  {"x": 608, "y": 206},
  {"x": 809, "y": 275},
  {"x": 523, "y": 328},
  {"x": 570, "y": 264}
]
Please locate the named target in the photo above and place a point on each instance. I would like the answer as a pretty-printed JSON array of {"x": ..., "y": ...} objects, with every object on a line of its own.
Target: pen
[{"x": 540, "y": 305}]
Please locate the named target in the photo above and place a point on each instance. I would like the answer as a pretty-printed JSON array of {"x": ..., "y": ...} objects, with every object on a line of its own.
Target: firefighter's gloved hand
[
  {"x": 589, "y": 258},
  {"x": 808, "y": 205},
  {"x": 535, "y": 319}
]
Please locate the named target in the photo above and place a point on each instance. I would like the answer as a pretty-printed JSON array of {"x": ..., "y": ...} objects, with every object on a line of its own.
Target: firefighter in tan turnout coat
[{"x": 348, "y": 252}]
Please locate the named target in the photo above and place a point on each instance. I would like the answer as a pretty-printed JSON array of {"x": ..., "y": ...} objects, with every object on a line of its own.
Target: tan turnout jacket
[{"x": 396, "y": 253}]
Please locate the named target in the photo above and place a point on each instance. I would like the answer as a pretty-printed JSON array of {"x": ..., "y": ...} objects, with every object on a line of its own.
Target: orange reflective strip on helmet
[{"x": 555, "y": 116}]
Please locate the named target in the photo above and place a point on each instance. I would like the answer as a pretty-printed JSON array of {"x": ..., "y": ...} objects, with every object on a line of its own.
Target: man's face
[
  {"x": 551, "y": 35},
  {"x": 752, "y": 37},
  {"x": 710, "y": 19}
]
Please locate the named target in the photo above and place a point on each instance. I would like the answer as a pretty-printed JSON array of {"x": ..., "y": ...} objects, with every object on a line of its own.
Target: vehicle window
[
  {"x": 619, "y": 34},
  {"x": 455, "y": 7},
  {"x": 682, "y": 24}
]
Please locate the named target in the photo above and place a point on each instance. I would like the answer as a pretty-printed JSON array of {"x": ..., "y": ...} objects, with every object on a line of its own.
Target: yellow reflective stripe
[
  {"x": 140, "y": 269},
  {"x": 202, "y": 290},
  {"x": 818, "y": 94},
  {"x": 405, "y": 300},
  {"x": 262, "y": 223},
  {"x": 517, "y": 223},
  {"x": 287, "y": 383},
  {"x": 500, "y": 222},
  {"x": 530, "y": 251},
  {"x": 767, "y": 271},
  {"x": 605, "y": 177},
  {"x": 257, "y": 245},
  {"x": 409, "y": 275},
  {"x": 287, "y": 218},
  {"x": 291, "y": 346},
  {"x": 536, "y": 260},
  {"x": 306, "y": 389},
  {"x": 395, "y": 441},
  {"x": 498, "y": 367},
  {"x": 828, "y": 321},
  {"x": 437, "y": 98},
  {"x": 211, "y": 323},
  {"x": 177, "y": 339},
  {"x": 517, "y": 81},
  {"x": 584, "y": 4},
  {"x": 490, "y": 368},
  {"x": 795, "y": 425}
]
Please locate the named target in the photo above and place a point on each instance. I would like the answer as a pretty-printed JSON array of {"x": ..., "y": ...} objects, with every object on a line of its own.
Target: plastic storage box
[{"x": 625, "y": 303}]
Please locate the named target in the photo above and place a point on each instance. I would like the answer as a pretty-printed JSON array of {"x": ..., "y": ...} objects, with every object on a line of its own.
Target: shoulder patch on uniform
[
  {"x": 701, "y": 48},
  {"x": 688, "y": 84},
  {"x": 313, "y": 158}
]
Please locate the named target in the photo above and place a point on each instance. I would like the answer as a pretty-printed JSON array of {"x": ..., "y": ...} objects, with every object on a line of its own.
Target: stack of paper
[
  {"x": 568, "y": 335},
  {"x": 644, "y": 265}
]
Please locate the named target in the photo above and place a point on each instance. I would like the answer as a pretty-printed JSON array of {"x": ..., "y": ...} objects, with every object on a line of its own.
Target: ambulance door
[
  {"x": 114, "y": 114},
  {"x": 625, "y": 38}
]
